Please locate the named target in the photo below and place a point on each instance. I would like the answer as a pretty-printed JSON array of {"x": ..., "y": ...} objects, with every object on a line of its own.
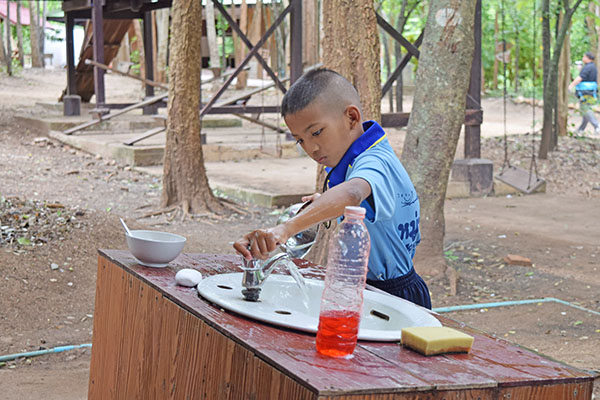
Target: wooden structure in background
[
  {"x": 84, "y": 73},
  {"x": 155, "y": 340},
  {"x": 79, "y": 80}
]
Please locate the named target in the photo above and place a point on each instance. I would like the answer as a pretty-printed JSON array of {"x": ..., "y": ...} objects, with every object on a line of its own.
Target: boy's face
[{"x": 324, "y": 133}]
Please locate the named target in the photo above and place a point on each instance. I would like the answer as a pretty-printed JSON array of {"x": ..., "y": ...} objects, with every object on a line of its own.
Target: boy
[{"x": 322, "y": 110}]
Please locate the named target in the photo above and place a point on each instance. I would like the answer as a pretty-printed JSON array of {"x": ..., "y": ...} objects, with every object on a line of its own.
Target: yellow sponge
[{"x": 429, "y": 340}]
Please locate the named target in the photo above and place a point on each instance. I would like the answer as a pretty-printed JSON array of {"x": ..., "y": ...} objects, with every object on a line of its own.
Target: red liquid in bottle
[{"x": 337, "y": 333}]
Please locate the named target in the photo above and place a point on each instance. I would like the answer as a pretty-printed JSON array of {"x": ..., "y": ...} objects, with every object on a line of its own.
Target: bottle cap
[{"x": 354, "y": 212}]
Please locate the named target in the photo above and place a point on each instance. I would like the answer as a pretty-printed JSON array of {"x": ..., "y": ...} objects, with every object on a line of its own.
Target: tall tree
[
  {"x": 406, "y": 10},
  {"x": 8, "y": 40},
  {"x": 34, "y": 36},
  {"x": 20, "y": 36},
  {"x": 254, "y": 35},
  {"x": 437, "y": 115},
  {"x": 310, "y": 32},
  {"x": 185, "y": 184},
  {"x": 240, "y": 48},
  {"x": 162, "y": 33},
  {"x": 354, "y": 53},
  {"x": 564, "y": 78},
  {"x": 2, "y": 51},
  {"x": 211, "y": 35},
  {"x": 551, "y": 60}
]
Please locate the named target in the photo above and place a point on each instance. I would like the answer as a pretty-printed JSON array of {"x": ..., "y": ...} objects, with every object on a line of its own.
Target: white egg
[{"x": 188, "y": 277}]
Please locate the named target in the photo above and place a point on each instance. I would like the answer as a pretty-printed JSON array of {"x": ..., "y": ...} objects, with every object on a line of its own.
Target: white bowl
[{"x": 153, "y": 248}]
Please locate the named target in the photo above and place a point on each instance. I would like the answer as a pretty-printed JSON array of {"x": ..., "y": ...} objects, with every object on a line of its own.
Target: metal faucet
[{"x": 255, "y": 274}]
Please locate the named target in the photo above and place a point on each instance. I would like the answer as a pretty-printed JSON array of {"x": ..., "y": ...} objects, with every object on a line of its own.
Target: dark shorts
[{"x": 410, "y": 287}]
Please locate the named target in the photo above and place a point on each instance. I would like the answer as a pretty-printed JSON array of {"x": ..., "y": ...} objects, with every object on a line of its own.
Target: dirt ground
[{"x": 68, "y": 204}]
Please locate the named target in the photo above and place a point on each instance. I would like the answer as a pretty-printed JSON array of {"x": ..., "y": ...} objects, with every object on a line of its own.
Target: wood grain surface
[{"x": 155, "y": 340}]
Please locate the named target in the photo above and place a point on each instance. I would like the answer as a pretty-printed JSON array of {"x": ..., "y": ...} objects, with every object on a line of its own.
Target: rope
[
  {"x": 504, "y": 91},
  {"x": 533, "y": 163}
]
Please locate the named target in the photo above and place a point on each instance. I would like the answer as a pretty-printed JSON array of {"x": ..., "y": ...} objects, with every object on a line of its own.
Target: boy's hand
[
  {"x": 259, "y": 243},
  {"x": 311, "y": 198}
]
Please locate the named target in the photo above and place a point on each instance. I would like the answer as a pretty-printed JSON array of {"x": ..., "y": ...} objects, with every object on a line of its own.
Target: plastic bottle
[{"x": 345, "y": 279}]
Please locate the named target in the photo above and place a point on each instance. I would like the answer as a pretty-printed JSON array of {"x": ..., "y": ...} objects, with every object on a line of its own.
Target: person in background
[{"x": 586, "y": 90}]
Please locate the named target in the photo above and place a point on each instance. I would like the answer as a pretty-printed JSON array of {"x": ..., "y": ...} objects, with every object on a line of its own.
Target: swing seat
[{"x": 521, "y": 180}]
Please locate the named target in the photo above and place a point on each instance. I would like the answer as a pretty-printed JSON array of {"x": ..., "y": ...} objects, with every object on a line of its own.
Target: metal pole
[
  {"x": 148, "y": 60},
  {"x": 473, "y": 132},
  {"x": 98, "y": 22},
  {"x": 296, "y": 41}
]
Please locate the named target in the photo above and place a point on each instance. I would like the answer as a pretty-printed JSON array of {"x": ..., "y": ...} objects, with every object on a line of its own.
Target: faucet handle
[{"x": 249, "y": 264}]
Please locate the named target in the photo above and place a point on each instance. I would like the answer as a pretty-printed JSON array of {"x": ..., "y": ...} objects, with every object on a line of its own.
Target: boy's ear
[{"x": 353, "y": 114}]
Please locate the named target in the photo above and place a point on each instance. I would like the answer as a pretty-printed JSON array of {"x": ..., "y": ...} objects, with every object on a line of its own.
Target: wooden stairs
[{"x": 114, "y": 32}]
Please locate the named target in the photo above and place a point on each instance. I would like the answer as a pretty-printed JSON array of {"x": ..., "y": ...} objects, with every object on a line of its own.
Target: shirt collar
[{"x": 373, "y": 134}]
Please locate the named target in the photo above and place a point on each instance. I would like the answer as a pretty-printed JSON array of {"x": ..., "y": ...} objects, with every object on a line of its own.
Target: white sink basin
[{"x": 281, "y": 303}]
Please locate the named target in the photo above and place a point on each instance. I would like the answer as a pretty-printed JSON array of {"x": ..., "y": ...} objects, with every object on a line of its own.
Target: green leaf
[
  {"x": 576, "y": 323},
  {"x": 23, "y": 241},
  {"x": 529, "y": 274},
  {"x": 108, "y": 209}
]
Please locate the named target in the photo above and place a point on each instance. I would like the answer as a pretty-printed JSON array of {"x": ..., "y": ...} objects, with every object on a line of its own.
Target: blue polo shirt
[{"x": 393, "y": 210}]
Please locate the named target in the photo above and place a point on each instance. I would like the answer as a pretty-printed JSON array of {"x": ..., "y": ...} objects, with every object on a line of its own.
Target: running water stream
[{"x": 295, "y": 273}]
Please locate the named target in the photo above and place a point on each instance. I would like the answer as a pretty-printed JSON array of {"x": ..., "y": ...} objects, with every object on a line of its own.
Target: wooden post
[
  {"x": 98, "y": 29},
  {"x": 473, "y": 132},
  {"x": 296, "y": 41},
  {"x": 71, "y": 101},
  {"x": 148, "y": 60}
]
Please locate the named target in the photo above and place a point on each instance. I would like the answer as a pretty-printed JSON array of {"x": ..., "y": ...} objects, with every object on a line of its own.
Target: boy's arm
[{"x": 329, "y": 205}]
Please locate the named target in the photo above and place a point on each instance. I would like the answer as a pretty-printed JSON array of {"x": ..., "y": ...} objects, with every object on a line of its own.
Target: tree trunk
[
  {"x": 400, "y": 23},
  {"x": 162, "y": 33},
  {"x": 496, "y": 41},
  {"x": 184, "y": 177},
  {"x": 138, "y": 45},
  {"x": 281, "y": 35},
  {"x": 435, "y": 122},
  {"x": 517, "y": 60},
  {"x": 8, "y": 40},
  {"x": 310, "y": 32},
  {"x": 354, "y": 53},
  {"x": 254, "y": 35},
  {"x": 564, "y": 78},
  {"x": 549, "y": 136},
  {"x": 595, "y": 30},
  {"x": 2, "y": 51},
  {"x": 20, "y": 36},
  {"x": 36, "y": 59},
  {"x": 387, "y": 62},
  {"x": 42, "y": 31},
  {"x": 211, "y": 35},
  {"x": 240, "y": 48}
]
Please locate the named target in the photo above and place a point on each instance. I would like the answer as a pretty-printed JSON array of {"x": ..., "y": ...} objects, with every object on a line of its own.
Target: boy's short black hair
[
  {"x": 310, "y": 86},
  {"x": 590, "y": 55}
]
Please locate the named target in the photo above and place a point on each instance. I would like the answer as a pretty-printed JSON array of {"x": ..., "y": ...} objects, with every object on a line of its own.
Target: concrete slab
[
  {"x": 268, "y": 182},
  {"x": 246, "y": 162}
]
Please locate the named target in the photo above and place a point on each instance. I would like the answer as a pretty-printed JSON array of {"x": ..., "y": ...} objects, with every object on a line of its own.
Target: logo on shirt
[{"x": 408, "y": 199}]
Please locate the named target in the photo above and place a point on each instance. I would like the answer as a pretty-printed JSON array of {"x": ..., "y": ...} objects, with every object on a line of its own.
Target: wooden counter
[{"x": 155, "y": 340}]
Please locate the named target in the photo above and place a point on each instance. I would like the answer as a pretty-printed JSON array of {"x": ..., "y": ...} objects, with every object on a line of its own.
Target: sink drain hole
[
  {"x": 283, "y": 312},
  {"x": 224, "y": 287},
  {"x": 380, "y": 315}
]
